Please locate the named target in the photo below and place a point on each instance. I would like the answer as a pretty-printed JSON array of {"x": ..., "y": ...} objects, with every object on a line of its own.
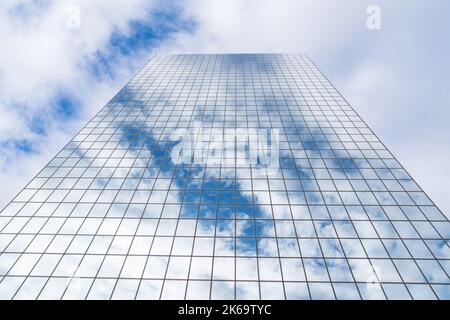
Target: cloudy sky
[{"x": 61, "y": 61}]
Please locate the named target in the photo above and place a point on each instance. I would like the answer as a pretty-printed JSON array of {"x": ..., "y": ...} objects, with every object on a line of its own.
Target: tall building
[{"x": 241, "y": 176}]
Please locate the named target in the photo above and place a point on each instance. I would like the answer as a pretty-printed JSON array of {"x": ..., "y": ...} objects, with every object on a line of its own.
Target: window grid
[{"x": 112, "y": 216}]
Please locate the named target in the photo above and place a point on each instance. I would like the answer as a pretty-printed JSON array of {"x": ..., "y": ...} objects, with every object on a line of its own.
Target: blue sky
[{"x": 63, "y": 60}]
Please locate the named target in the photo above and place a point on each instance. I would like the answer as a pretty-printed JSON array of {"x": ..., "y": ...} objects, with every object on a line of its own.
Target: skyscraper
[{"x": 240, "y": 176}]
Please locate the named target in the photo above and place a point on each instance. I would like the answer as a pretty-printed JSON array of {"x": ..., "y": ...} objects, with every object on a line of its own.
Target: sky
[{"x": 62, "y": 61}]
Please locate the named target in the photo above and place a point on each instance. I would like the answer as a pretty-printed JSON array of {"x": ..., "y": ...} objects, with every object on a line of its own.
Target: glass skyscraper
[{"x": 236, "y": 176}]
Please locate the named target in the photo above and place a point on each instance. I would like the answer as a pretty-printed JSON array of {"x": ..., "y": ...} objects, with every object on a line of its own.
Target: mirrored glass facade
[{"x": 167, "y": 194}]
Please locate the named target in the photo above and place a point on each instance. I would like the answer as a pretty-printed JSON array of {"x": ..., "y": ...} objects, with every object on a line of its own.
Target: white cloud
[{"x": 41, "y": 57}]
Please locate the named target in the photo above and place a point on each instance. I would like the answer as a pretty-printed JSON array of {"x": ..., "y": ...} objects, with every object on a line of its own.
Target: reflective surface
[{"x": 115, "y": 215}]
